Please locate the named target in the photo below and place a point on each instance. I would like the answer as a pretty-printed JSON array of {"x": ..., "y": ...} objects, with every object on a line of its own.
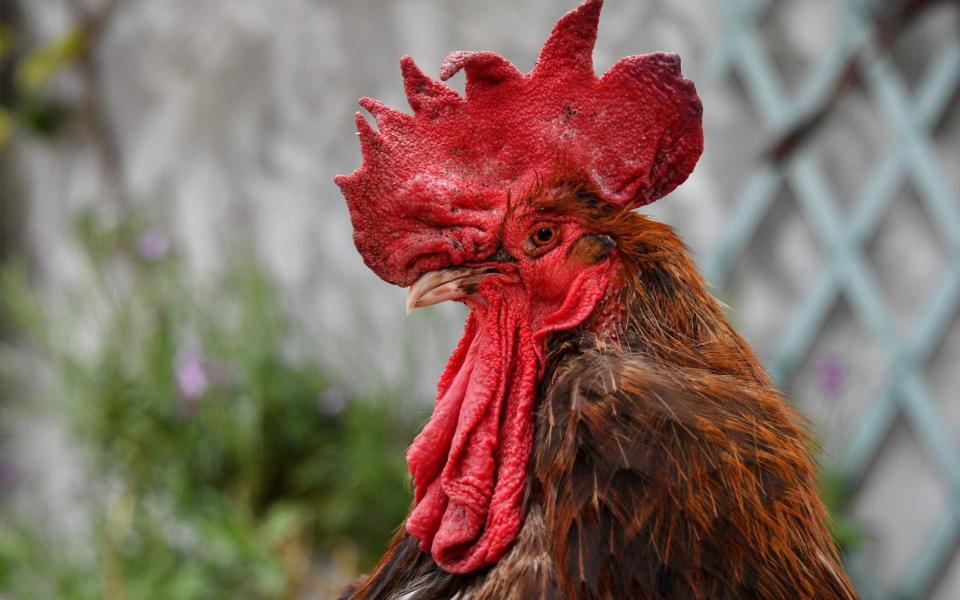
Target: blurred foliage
[
  {"x": 232, "y": 466},
  {"x": 837, "y": 493},
  {"x": 30, "y": 105},
  {"x": 6, "y": 40},
  {"x": 7, "y": 125},
  {"x": 42, "y": 64}
]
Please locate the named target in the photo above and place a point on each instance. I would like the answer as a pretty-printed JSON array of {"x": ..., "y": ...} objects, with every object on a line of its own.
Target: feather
[{"x": 710, "y": 502}]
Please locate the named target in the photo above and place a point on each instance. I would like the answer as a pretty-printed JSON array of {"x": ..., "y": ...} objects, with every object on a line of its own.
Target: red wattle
[{"x": 469, "y": 464}]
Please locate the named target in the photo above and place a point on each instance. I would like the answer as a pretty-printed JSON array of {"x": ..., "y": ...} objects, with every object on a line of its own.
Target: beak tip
[
  {"x": 447, "y": 284},
  {"x": 410, "y": 304}
]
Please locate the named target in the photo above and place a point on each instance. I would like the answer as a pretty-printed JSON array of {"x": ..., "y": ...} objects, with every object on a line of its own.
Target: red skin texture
[
  {"x": 469, "y": 463},
  {"x": 434, "y": 186},
  {"x": 440, "y": 188}
]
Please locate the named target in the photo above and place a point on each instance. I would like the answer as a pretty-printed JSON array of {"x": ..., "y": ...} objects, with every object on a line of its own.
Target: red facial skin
[
  {"x": 434, "y": 186},
  {"x": 469, "y": 463},
  {"x": 545, "y": 271}
]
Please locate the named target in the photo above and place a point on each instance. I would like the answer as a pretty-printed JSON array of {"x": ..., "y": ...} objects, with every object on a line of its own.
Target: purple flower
[
  {"x": 154, "y": 244},
  {"x": 191, "y": 376},
  {"x": 830, "y": 376}
]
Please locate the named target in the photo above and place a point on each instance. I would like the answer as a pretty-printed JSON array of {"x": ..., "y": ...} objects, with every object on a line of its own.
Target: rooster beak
[{"x": 435, "y": 287}]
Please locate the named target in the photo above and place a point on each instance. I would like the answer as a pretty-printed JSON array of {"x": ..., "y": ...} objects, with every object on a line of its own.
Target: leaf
[
  {"x": 8, "y": 125},
  {"x": 40, "y": 66},
  {"x": 280, "y": 523},
  {"x": 6, "y": 40}
]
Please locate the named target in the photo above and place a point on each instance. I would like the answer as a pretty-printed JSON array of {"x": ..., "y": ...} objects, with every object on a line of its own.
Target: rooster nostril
[{"x": 501, "y": 256}]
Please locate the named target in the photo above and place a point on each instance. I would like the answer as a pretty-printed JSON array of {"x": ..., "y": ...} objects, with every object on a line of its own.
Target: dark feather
[{"x": 681, "y": 485}]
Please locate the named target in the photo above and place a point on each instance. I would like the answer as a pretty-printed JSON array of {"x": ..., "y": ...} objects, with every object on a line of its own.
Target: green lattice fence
[{"x": 859, "y": 59}]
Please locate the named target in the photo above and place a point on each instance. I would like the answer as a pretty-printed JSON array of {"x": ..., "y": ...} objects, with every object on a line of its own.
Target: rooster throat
[{"x": 469, "y": 463}]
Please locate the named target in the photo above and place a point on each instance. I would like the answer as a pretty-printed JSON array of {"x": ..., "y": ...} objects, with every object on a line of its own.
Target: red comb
[{"x": 636, "y": 132}]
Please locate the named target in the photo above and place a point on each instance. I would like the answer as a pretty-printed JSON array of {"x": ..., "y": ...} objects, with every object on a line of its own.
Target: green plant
[
  {"x": 226, "y": 464},
  {"x": 29, "y": 104},
  {"x": 837, "y": 494}
]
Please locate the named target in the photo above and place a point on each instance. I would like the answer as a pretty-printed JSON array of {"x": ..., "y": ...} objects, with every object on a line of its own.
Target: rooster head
[{"x": 481, "y": 199}]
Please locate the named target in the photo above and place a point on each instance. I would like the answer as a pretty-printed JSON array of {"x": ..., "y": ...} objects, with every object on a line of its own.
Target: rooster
[{"x": 600, "y": 431}]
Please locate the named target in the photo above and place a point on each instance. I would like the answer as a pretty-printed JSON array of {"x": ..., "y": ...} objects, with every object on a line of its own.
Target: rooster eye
[{"x": 544, "y": 235}]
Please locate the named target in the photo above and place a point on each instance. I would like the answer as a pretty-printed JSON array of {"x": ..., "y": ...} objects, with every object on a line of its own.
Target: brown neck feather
[{"x": 660, "y": 305}]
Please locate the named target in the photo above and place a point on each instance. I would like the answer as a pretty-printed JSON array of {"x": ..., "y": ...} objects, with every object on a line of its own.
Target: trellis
[{"x": 912, "y": 157}]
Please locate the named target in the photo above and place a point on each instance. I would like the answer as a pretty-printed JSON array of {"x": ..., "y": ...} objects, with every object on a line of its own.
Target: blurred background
[{"x": 205, "y": 394}]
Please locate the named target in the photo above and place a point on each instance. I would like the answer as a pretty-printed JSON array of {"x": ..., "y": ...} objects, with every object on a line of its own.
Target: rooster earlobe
[
  {"x": 570, "y": 46},
  {"x": 425, "y": 94}
]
